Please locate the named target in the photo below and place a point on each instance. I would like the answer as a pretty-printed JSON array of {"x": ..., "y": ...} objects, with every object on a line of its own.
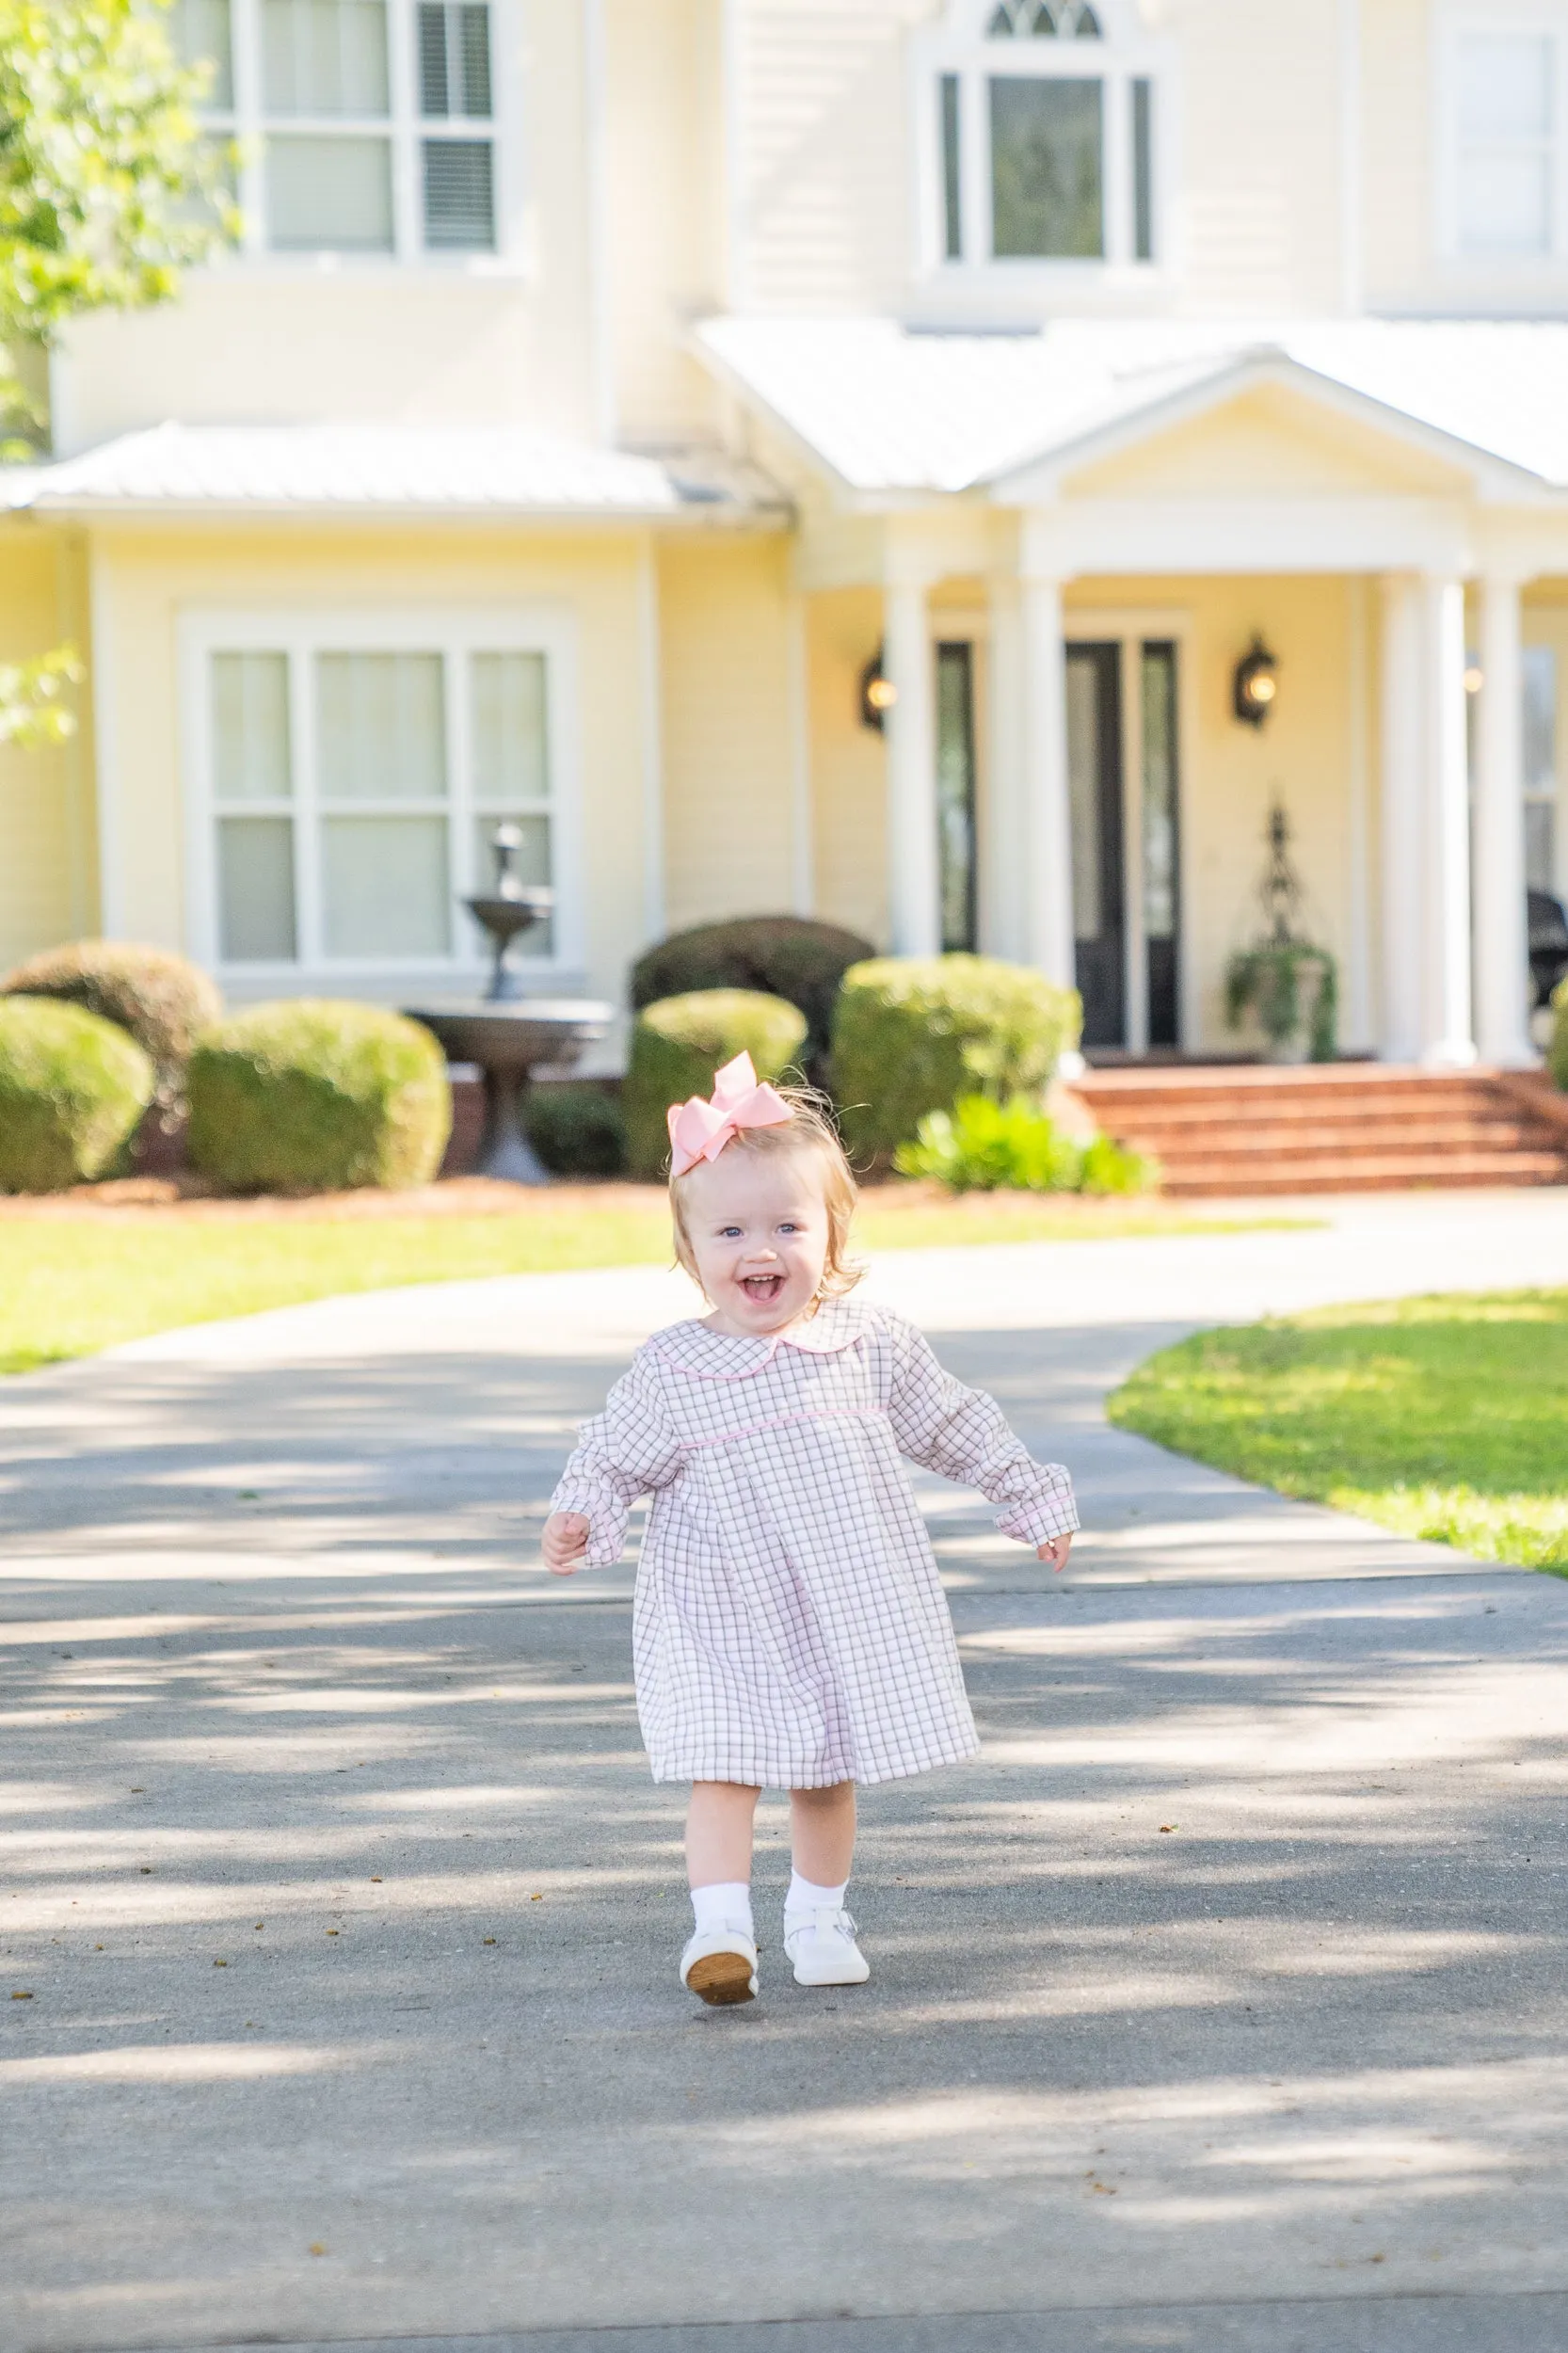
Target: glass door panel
[
  {"x": 955, "y": 793},
  {"x": 1161, "y": 846},
  {"x": 1094, "y": 785}
]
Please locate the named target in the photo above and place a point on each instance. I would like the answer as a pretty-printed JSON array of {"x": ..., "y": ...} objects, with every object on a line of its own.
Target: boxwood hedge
[
  {"x": 163, "y": 1000},
  {"x": 73, "y": 1091},
  {"x": 314, "y": 1094},
  {"x": 677, "y": 1045},
  {"x": 911, "y": 1035},
  {"x": 779, "y": 955}
]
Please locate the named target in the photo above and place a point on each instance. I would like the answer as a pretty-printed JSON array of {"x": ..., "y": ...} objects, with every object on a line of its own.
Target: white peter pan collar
[{"x": 691, "y": 1348}]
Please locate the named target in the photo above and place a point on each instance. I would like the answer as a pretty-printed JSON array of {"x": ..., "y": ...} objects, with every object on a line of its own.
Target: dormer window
[{"x": 1045, "y": 140}]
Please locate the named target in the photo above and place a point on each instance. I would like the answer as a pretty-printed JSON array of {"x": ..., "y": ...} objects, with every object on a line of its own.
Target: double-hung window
[
  {"x": 1043, "y": 126},
  {"x": 348, "y": 778},
  {"x": 364, "y": 127},
  {"x": 1507, "y": 83}
]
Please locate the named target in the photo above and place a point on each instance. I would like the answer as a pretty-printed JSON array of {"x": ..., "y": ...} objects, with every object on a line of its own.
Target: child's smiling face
[{"x": 756, "y": 1223}]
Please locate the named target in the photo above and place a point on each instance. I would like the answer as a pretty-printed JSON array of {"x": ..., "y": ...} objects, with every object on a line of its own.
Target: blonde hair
[{"x": 810, "y": 1129}]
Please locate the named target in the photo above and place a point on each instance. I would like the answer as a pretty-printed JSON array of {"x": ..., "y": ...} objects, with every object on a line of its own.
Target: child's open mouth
[{"x": 763, "y": 1289}]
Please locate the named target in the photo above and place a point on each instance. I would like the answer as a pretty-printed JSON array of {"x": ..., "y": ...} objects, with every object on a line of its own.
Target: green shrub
[
  {"x": 73, "y": 1090},
  {"x": 980, "y": 1146},
  {"x": 911, "y": 1036},
  {"x": 1557, "y": 1054},
  {"x": 162, "y": 999},
  {"x": 678, "y": 1043},
  {"x": 781, "y": 956},
  {"x": 577, "y": 1129},
  {"x": 319, "y": 1096}
]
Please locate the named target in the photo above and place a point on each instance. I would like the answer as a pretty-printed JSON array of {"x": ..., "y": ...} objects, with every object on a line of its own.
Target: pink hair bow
[{"x": 700, "y": 1130}]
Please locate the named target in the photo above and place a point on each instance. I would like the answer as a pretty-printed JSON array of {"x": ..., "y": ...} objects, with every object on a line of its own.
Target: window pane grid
[
  {"x": 1041, "y": 145},
  {"x": 355, "y": 792},
  {"x": 368, "y": 125}
]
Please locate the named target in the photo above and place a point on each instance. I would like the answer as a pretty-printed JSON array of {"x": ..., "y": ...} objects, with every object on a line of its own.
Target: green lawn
[
  {"x": 70, "y": 1286},
  {"x": 1444, "y": 1417}
]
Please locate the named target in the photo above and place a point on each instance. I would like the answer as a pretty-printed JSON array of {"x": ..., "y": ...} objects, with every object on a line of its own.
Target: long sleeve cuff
[
  {"x": 606, "y": 1514},
  {"x": 1037, "y": 1518}
]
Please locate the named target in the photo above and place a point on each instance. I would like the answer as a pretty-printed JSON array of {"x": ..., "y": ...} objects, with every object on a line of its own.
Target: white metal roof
[
  {"x": 493, "y": 470},
  {"x": 893, "y": 408}
]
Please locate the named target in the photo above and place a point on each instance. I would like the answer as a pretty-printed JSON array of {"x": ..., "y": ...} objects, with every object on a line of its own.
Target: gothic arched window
[
  {"x": 1044, "y": 20},
  {"x": 1045, "y": 133}
]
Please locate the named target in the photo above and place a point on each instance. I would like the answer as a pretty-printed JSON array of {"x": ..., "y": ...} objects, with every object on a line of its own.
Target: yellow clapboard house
[{"x": 611, "y": 402}]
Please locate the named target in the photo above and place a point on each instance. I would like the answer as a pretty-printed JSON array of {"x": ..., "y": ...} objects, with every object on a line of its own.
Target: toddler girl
[{"x": 790, "y": 1631}]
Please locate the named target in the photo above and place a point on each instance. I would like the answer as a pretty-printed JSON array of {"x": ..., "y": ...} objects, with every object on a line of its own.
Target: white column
[
  {"x": 1502, "y": 932},
  {"x": 914, "y": 908},
  {"x": 1401, "y": 832},
  {"x": 1047, "y": 836},
  {"x": 1446, "y": 1038},
  {"x": 1003, "y": 813}
]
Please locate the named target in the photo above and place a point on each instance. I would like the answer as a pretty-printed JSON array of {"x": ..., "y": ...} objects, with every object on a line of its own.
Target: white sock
[
  {"x": 805, "y": 1895},
  {"x": 725, "y": 1904}
]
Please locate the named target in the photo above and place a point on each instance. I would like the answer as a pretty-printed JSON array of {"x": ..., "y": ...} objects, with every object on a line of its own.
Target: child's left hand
[{"x": 1055, "y": 1551}]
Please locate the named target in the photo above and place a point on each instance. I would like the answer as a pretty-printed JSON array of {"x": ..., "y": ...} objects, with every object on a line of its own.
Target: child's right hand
[{"x": 566, "y": 1540}]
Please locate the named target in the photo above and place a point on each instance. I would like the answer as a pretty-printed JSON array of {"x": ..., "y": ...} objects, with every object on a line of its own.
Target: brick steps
[{"x": 1334, "y": 1127}]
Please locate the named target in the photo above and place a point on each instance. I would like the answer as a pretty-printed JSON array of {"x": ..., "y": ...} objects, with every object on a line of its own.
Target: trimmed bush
[
  {"x": 912, "y": 1036},
  {"x": 577, "y": 1129},
  {"x": 73, "y": 1091},
  {"x": 162, "y": 999},
  {"x": 981, "y": 1147},
  {"x": 678, "y": 1043},
  {"x": 314, "y": 1095},
  {"x": 1557, "y": 1054},
  {"x": 781, "y": 956}
]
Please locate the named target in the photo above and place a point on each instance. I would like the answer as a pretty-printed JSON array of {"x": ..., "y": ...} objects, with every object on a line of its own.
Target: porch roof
[
  {"x": 406, "y": 471},
  {"x": 893, "y": 408}
]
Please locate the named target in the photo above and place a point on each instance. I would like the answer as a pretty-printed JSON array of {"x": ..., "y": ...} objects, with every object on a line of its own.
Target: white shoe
[
  {"x": 823, "y": 1947},
  {"x": 719, "y": 1965}
]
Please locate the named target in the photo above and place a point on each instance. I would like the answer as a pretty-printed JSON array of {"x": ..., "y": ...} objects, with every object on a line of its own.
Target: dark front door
[
  {"x": 1162, "y": 839},
  {"x": 955, "y": 793},
  {"x": 1095, "y": 779}
]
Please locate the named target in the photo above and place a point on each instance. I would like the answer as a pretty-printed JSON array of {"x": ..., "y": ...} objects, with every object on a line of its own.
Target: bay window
[
  {"x": 347, "y": 780},
  {"x": 1042, "y": 130},
  {"x": 365, "y": 127}
]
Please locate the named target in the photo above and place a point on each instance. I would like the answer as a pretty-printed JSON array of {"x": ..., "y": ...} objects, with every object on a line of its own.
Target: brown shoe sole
[{"x": 721, "y": 1978}]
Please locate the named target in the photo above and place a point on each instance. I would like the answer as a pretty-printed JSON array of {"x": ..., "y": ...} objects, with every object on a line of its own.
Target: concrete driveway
[{"x": 1222, "y": 2005}]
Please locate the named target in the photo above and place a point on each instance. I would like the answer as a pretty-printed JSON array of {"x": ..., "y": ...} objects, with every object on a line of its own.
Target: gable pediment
[{"x": 1270, "y": 440}]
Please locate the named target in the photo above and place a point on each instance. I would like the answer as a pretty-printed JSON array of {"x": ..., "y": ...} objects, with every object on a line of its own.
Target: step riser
[
  {"x": 1281, "y": 1131},
  {"x": 1386, "y": 1135},
  {"x": 1249, "y": 1184}
]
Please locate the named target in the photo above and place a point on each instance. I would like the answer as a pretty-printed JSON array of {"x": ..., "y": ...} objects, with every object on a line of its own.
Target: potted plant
[{"x": 1289, "y": 985}]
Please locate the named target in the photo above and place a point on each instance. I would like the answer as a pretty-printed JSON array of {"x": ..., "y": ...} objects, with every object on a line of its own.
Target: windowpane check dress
[{"x": 790, "y": 1630}]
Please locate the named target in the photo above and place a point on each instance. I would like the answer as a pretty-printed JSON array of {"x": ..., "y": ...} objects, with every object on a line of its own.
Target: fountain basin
[{"x": 510, "y": 1038}]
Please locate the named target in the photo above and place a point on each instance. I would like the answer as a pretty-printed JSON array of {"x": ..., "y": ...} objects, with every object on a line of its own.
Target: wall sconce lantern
[
  {"x": 1256, "y": 685},
  {"x": 877, "y": 692}
]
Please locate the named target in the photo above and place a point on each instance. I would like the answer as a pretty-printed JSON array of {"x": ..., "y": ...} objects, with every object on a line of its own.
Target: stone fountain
[{"x": 508, "y": 1034}]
